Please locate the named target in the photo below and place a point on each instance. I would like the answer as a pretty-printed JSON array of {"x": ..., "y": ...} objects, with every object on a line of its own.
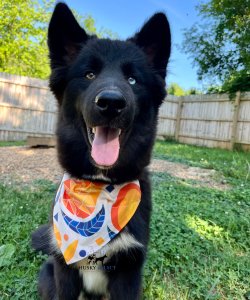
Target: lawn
[
  {"x": 12, "y": 143},
  {"x": 200, "y": 237}
]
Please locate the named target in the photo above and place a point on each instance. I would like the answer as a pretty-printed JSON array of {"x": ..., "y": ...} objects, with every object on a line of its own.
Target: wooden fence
[
  {"x": 207, "y": 120},
  {"x": 28, "y": 108}
]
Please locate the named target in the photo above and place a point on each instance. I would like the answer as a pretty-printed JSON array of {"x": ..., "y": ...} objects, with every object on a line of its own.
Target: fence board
[
  {"x": 207, "y": 120},
  {"x": 27, "y": 107}
]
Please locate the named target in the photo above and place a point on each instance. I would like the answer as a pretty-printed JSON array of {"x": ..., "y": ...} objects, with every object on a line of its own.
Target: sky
[{"x": 125, "y": 17}]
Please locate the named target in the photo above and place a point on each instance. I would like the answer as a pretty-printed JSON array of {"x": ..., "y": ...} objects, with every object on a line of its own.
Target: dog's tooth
[
  {"x": 119, "y": 131},
  {"x": 94, "y": 130}
]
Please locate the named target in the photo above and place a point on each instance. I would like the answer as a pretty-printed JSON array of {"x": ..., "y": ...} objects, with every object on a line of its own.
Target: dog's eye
[
  {"x": 90, "y": 76},
  {"x": 131, "y": 81}
]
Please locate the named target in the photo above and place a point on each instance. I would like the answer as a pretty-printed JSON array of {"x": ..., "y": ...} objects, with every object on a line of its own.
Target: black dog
[
  {"x": 101, "y": 259},
  {"x": 108, "y": 93}
]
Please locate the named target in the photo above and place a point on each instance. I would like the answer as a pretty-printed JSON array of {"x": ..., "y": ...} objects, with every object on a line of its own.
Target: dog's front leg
[
  {"x": 67, "y": 281},
  {"x": 125, "y": 285}
]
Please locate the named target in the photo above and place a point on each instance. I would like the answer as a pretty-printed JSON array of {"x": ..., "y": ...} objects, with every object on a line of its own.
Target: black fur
[{"x": 73, "y": 54}]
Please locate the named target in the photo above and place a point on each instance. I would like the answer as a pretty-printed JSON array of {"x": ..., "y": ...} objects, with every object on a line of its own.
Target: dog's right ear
[{"x": 65, "y": 37}]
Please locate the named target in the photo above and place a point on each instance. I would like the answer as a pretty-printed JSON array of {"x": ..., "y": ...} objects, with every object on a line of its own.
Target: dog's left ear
[{"x": 155, "y": 40}]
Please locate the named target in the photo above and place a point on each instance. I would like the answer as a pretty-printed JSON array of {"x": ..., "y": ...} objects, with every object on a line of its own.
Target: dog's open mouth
[{"x": 105, "y": 145}]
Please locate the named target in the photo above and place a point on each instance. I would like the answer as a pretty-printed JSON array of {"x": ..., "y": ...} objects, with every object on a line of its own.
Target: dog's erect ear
[
  {"x": 65, "y": 36},
  {"x": 155, "y": 40}
]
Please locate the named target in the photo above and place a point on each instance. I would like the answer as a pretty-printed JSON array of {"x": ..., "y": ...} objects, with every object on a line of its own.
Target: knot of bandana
[{"x": 87, "y": 215}]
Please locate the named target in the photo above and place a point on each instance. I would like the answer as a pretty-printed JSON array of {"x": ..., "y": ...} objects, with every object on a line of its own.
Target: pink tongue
[{"x": 106, "y": 146}]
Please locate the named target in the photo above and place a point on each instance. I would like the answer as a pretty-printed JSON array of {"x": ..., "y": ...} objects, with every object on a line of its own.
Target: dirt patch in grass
[
  {"x": 23, "y": 164},
  {"x": 195, "y": 175}
]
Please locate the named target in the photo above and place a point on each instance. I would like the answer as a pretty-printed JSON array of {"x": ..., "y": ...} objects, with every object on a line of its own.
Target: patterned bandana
[{"x": 87, "y": 215}]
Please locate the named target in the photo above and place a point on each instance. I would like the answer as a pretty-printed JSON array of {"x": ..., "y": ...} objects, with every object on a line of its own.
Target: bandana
[{"x": 87, "y": 215}]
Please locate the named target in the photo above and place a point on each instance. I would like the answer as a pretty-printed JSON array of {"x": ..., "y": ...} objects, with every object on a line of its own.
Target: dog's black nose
[{"x": 110, "y": 102}]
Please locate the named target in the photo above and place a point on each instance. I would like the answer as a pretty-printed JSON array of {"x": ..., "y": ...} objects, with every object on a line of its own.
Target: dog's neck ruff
[{"x": 87, "y": 215}]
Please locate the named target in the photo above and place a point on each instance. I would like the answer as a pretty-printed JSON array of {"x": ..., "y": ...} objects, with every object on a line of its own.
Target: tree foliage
[
  {"x": 220, "y": 46},
  {"x": 176, "y": 90},
  {"x": 23, "y": 47},
  {"x": 23, "y": 36}
]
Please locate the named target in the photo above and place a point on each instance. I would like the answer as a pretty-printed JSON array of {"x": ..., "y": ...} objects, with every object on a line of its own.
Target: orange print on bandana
[
  {"x": 80, "y": 197},
  {"x": 88, "y": 215}
]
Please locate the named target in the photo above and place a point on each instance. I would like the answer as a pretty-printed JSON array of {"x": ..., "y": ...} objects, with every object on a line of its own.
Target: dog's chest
[
  {"x": 95, "y": 267},
  {"x": 94, "y": 281}
]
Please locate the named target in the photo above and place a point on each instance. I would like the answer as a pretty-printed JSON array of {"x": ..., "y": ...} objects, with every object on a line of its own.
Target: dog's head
[{"x": 108, "y": 92}]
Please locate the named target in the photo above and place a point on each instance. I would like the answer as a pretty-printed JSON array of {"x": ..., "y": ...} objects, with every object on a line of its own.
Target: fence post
[
  {"x": 178, "y": 118},
  {"x": 235, "y": 120}
]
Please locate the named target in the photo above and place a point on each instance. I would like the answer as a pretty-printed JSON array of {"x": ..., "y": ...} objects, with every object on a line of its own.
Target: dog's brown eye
[
  {"x": 90, "y": 76},
  {"x": 131, "y": 81}
]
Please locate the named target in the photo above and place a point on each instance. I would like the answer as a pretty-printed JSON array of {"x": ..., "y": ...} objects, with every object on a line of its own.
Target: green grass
[
  {"x": 232, "y": 164},
  {"x": 12, "y": 143},
  {"x": 200, "y": 237},
  {"x": 200, "y": 242},
  {"x": 21, "y": 212}
]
